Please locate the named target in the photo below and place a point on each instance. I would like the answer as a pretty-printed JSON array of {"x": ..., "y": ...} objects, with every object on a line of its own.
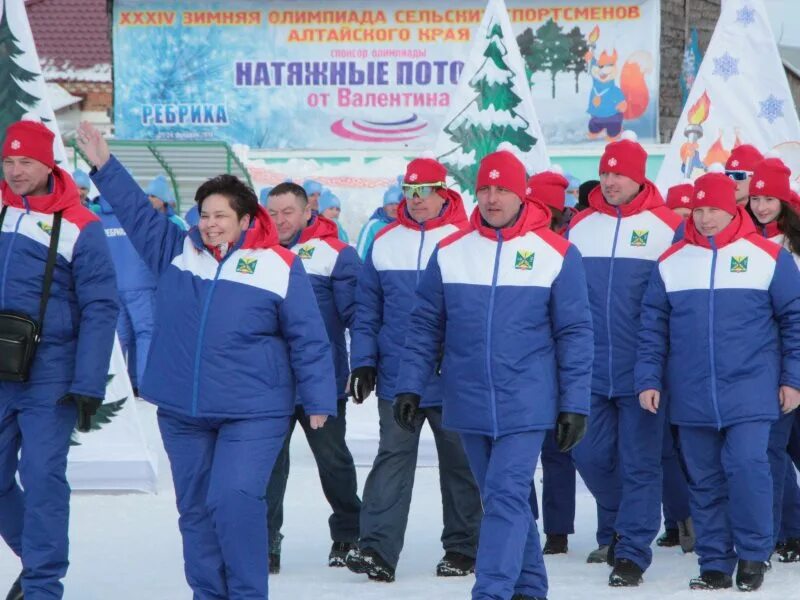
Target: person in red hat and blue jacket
[
  {"x": 385, "y": 296},
  {"x": 69, "y": 369},
  {"x": 720, "y": 328},
  {"x": 740, "y": 166},
  {"x": 622, "y": 234},
  {"x": 773, "y": 209},
  {"x": 507, "y": 299},
  {"x": 238, "y": 340}
]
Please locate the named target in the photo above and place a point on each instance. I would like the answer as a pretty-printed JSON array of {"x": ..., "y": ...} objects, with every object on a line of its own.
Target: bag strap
[
  {"x": 3, "y": 215},
  {"x": 48, "y": 271}
]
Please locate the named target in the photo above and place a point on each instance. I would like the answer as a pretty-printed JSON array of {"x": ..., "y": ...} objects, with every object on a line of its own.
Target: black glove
[
  {"x": 570, "y": 429},
  {"x": 362, "y": 383},
  {"x": 87, "y": 407},
  {"x": 405, "y": 410}
]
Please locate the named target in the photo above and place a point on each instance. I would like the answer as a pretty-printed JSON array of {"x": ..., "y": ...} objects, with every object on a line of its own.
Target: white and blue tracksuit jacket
[
  {"x": 333, "y": 267},
  {"x": 620, "y": 246},
  {"x": 234, "y": 338},
  {"x": 78, "y": 329},
  {"x": 386, "y": 292},
  {"x": 721, "y": 327},
  {"x": 511, "y": 308}
]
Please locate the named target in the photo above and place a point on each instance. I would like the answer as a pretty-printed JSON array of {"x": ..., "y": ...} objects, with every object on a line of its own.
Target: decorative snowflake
[
  {"x": 735, "y": 163},
  {"x": 701, "y": 194},
  {"x": 746, "y": 15},
  {"x": 760, "y": 184},
  {"x": 685, "y": 199},
  {"x": 412, "y": 177},
  {"x": 726, "y": 66},
  {"x": 528, "y": 191},
  {"x": 612, "y": 162},
  {"x": 494, "y": 174},
  {"x": 15, "y": 145},
  {"x": 771, "y": 108}
]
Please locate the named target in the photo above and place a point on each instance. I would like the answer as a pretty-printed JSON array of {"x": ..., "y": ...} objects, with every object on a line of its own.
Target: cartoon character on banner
[{"x": 618, "y": 93}]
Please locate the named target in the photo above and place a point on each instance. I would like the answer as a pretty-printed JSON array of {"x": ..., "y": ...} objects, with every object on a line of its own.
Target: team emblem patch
[
  {"x": 639, "y": 237},
  {"x": 306, "y": 252},
  {"x": 246, "y": 265},
  {"x": 739, "y": 264},
  {"x": 45, "y": 227},
  {"x": 524, "y": 260}
]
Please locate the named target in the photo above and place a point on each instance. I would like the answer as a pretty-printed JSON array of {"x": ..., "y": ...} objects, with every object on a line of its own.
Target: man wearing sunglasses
[
  {"x": 739, "y": 167},
  {"x": 385, "y": 296}
]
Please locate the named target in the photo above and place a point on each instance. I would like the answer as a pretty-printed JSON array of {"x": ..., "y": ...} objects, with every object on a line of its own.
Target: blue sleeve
[
  {"x": 344, "y": 280},
  {"x": 425, "y": 333},
  {"x": 784, "y": 290},
  {"x": 157, "y": 239},
  {"x": 653, "y": 343},
  {"x": 571, "y": 320},
  {"x": 366, "y": 238},
  {"x": 96, "y": 293},
  {"x": 342, "y": 233},
  {"x": 309, "y": 350},
  {"x": 368, "y": 318}
]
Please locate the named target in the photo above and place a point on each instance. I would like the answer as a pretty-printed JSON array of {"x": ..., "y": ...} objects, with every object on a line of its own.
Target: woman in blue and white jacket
[
  {"x": 238, "y": 331},
  {"x": 720, "y": 328},
  {"x": 774, "y": 214}
]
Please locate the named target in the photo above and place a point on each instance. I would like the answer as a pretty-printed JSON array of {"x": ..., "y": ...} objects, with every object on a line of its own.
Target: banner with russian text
[{"x": 308, "y": 75}]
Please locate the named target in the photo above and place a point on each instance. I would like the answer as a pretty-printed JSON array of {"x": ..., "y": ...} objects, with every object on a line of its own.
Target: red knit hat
[
  {"x": 502, "y": 169},
  {"x": 771, "y": 178},
  {"x": 625, "y": 157},
  {"x": 743, "y": 158},
  {"x": 680, "y": 196},
  {"x": 31, "y": 139},
  {"x": 715, "y": 190},
  {"x": 549, "y": 187},
  {"x": 425, "y": 170}
]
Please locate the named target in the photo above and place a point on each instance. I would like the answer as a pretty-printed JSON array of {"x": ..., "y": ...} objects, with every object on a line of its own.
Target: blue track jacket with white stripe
[
  {"x": 234, "y": 338},
  {"x": 512, "y": 310}
]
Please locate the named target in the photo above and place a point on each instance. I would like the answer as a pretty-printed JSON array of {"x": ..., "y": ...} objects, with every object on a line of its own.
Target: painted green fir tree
[
  {"x": 489, "y": 118},
  {"x": 15, "y": 102}
]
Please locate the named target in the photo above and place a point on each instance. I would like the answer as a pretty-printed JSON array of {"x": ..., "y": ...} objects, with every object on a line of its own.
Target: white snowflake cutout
[
  {"x": 701, "y": 194},
  {"x": 685, "y": 199},
  {"x": 760, "y": 184},
  {"x": 413, "y": 177},
  {"x": 16, "y": 145},
  {"x": 735, "y": 163},
  {"x": 528, "y": 191},
  {"x": 612, "y": 162},
  {"x": 494, "y": 174}
]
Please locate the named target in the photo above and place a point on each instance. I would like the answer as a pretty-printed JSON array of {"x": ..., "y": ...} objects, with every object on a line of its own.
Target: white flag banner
[
  {"x": 25, "y": 93},
  {"x": 492, "y": 105},
  {"x": 740, "y": 96},
  {"x": 114, "y": 454}
]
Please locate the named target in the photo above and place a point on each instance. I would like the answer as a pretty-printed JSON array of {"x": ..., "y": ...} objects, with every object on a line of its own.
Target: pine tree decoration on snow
[
  {"x": 15, "y": 102},
  {"x": 489, "y": 118}
]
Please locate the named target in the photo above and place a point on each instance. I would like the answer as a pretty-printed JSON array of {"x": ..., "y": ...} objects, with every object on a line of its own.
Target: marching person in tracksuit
[
  {"x": 238, "y": 339},
  {"x": 620, "y": 237},
  {"x": 384, "y": 300},
  {"x": 333, "y": 267},
  {"x": 383, "y": 216},
  {"x": 507, "y": 299},
  {"x": 771, "y": 206},
  {"x": 720, "y": 328},
  {"x": 558, "y": 482},
  {"x": 67, "y": 376}
]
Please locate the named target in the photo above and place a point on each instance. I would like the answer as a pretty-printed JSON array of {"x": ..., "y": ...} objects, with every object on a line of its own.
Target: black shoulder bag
[{"x": 19, "y": 333}]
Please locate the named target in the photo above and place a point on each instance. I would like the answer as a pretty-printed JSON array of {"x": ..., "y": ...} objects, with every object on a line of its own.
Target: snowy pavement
[{"x": 126, "y": 546}]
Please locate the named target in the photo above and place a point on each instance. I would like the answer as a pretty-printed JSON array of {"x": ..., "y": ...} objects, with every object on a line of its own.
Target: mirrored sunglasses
[
  {"x": 423, "y": 190},
  {"x": 738, "y": 175}
]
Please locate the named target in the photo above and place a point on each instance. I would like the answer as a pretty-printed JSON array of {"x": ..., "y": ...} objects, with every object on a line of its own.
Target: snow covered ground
[{"x": 126, "y": 546}]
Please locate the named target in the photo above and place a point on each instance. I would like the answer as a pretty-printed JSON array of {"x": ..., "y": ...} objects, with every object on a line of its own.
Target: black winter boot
[
  {"x": 370, "y": 562},
  {"x": 455, "y": 564},
  {"x": 626, "y": 573},
  {"x": 669, "y": 539},
  {"x": 338, "y": 553},
  {"x": 788, "y": 551},
  {"x": 750, "y": 574},
  {"x": 556, "y": 543},
  {"x": 711, "y": 580},
  {"x": 598, "y": 556}
]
